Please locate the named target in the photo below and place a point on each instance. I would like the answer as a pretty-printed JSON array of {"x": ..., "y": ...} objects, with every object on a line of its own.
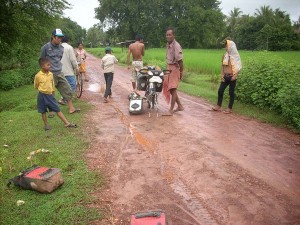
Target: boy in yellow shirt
[{"x": 44, "y": 82}]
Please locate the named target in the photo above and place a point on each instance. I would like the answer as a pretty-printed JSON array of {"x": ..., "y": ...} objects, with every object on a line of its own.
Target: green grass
[
  {"x": 201, "y": 76},
  {"x": 200, "y": 61},
  {"x": 22, "y": 130},
  {"x": 206, "y": 86}
]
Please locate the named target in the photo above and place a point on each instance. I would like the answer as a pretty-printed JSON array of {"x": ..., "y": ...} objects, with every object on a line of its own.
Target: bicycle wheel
[{"x": 79, "y": 85}]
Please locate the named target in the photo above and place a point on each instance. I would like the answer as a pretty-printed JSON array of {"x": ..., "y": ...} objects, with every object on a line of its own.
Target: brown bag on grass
[{"x": 41, "y": 179}]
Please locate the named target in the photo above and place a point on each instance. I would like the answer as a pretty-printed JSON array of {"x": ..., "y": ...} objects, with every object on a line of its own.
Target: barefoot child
[{"x": 44, "y": 82}]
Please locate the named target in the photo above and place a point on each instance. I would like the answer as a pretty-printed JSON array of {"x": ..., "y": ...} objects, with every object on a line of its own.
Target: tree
[
  {"x": 25, "y": 25},
  {"x": 234, "y": 16},
  {"x": 198, "y": 23}
]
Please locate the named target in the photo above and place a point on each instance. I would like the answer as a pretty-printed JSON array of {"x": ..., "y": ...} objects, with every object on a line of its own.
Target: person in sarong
[
  {"x": 174, "y": 59},
  {"x": 230, "y": 68}
]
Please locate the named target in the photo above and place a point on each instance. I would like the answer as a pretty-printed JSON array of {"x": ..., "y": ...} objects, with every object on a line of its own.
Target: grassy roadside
[
  {"x": 205, "y": 85},
  {"x": 22, "y": 132}
]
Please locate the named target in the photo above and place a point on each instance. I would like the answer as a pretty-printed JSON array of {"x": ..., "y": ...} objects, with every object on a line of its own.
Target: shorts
[
  {"x": 63, "y": 86},
  {"x": 135, "y": 65},
  {"x": 45, "y": 102},
  {"x": 72, "y": 82}
]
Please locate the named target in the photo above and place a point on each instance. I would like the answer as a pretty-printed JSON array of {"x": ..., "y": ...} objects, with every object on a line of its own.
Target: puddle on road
[{"x": 96, "y": 88}]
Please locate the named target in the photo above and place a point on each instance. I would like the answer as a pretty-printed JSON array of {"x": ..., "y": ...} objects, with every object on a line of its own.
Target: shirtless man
[{"x": 137, "y": 49}]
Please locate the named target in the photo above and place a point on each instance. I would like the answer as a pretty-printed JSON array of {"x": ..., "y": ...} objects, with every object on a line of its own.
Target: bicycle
[{"x": 79, "y": 85}]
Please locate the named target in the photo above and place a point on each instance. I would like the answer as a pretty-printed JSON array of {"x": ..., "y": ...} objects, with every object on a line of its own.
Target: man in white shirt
[
  {"x": 107, "y": 64},
  {"x": 69, "y": 63}
]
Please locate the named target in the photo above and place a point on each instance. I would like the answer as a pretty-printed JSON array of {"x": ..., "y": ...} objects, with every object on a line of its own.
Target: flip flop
[
  {"x": 216, "y": 109},
  {"x": 47, "y": 127},
  {"x": 75, "y": 111},
  {"x": 62, "y": 102},
  {"x": 167, "y": 114},
  {"x": 227, "y": 111},
  {"x": 71, "y": 125},
  {"x": 178, "y": 109},
  {"x": 50, "y": 115}
]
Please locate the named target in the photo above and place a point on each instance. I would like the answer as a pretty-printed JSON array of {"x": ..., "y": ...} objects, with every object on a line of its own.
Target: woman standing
[{"x": 231, "y": 65}]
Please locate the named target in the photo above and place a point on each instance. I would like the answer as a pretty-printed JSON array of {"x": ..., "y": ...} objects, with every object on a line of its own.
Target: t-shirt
[
  {"x": 174, "y": 52},
  {"x": 44, "y": 82},
  {"x": 108, "y": 62},
  {"x": 69, "y": 63},
  {"x": 54, "y": 53},
  {"x": 81, "y": 55}
]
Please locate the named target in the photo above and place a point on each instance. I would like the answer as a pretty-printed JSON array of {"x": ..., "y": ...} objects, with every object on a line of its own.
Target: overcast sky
[{"x": 83, "y": 11}]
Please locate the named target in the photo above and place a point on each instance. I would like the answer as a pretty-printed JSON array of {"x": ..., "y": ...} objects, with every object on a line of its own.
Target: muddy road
[{"x": 201, "y": 167}]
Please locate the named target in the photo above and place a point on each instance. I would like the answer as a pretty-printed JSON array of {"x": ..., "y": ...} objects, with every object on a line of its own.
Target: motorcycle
[{"x": 151, "y": 80}]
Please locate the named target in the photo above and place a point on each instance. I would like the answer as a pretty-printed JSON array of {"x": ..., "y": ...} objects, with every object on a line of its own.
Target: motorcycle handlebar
[{"x": 145, "y": 71}]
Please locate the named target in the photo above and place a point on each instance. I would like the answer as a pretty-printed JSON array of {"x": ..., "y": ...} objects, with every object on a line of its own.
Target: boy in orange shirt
[{"x": 44, "y": 82}]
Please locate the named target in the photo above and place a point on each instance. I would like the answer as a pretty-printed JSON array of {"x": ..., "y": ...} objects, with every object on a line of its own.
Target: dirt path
[{"x": 200, "y": 167}]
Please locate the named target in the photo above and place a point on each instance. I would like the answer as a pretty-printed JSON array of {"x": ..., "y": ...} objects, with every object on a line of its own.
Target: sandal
[
  {"x": 178, "y": 109},
  {"x": 71, "y": 125},
  {"x": 50, "y": 115},
  {"x": 216, "y": 108},
  {"x": 62, "y": 102},
  {"x": 47, "y": 127},
  {"x": 227, "y": 111},
  {"x": 75, "y": 111}
]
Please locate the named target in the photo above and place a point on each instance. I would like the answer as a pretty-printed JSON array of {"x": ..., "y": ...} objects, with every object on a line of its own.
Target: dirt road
[{"x": 200, "y": 167}]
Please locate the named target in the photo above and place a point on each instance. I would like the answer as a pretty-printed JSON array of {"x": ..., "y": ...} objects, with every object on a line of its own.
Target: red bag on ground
[
  {"x": 41, "y": 179},
  {"x": 156, "y": 217}
]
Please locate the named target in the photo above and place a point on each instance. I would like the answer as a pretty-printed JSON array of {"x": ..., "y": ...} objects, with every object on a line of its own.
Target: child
[
  {"x": 44, "y": 82},
  {"x": 107, "y": 65}
]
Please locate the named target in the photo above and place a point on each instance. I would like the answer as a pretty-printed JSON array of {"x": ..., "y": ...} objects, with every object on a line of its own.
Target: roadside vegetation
[
  {"x": 268, "y": 85},
  {"x": 21, "y": 133}
]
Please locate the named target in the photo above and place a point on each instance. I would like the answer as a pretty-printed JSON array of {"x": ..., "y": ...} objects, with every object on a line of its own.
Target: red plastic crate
[{"x": 155, "y": 217}]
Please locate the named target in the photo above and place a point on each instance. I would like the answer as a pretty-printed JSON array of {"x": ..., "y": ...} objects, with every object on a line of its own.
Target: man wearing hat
[
  {"x": 53, "y": 50},
  {"x": 107, "y": 64}
]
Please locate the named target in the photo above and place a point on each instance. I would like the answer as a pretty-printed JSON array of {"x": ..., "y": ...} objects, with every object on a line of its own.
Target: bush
[
  {"x": 10, "y": 79},
  {"x": 269, "y": 82}
]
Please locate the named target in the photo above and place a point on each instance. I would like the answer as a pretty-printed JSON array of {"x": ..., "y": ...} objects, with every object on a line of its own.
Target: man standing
[
  {"x": 174, "y": 58},
  {"x": 137, "y": 49},
  {"x": 69, "y": 63},
  {"x": 53, "y": 50}
]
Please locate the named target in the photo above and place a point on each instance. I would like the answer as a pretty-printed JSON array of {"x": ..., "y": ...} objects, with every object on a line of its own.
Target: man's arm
[
  {"x": 128, "y": 57},
  {"x": 43, "y": 52},
  {"x": 143, "y": 49},
  {"x": 73, "y": 60},
  {"x": 180, "y": 63}
]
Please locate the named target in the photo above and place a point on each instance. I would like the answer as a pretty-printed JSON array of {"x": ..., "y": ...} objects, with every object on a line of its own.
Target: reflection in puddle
[{"x": 94, "y": 87}]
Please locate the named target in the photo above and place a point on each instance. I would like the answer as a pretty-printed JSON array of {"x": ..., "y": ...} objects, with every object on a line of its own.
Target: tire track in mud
[
  {"x": 197, "y": 211},
  {"x": 211, "y": 175}
]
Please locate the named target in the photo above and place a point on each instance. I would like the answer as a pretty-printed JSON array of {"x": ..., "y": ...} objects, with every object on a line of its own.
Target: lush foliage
[
  {"x": 268, "y": 29},
  {"x": 198, "y": 24},
  {"x": 21, "y": 133},
  {"x": 269, "y": 81}
]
